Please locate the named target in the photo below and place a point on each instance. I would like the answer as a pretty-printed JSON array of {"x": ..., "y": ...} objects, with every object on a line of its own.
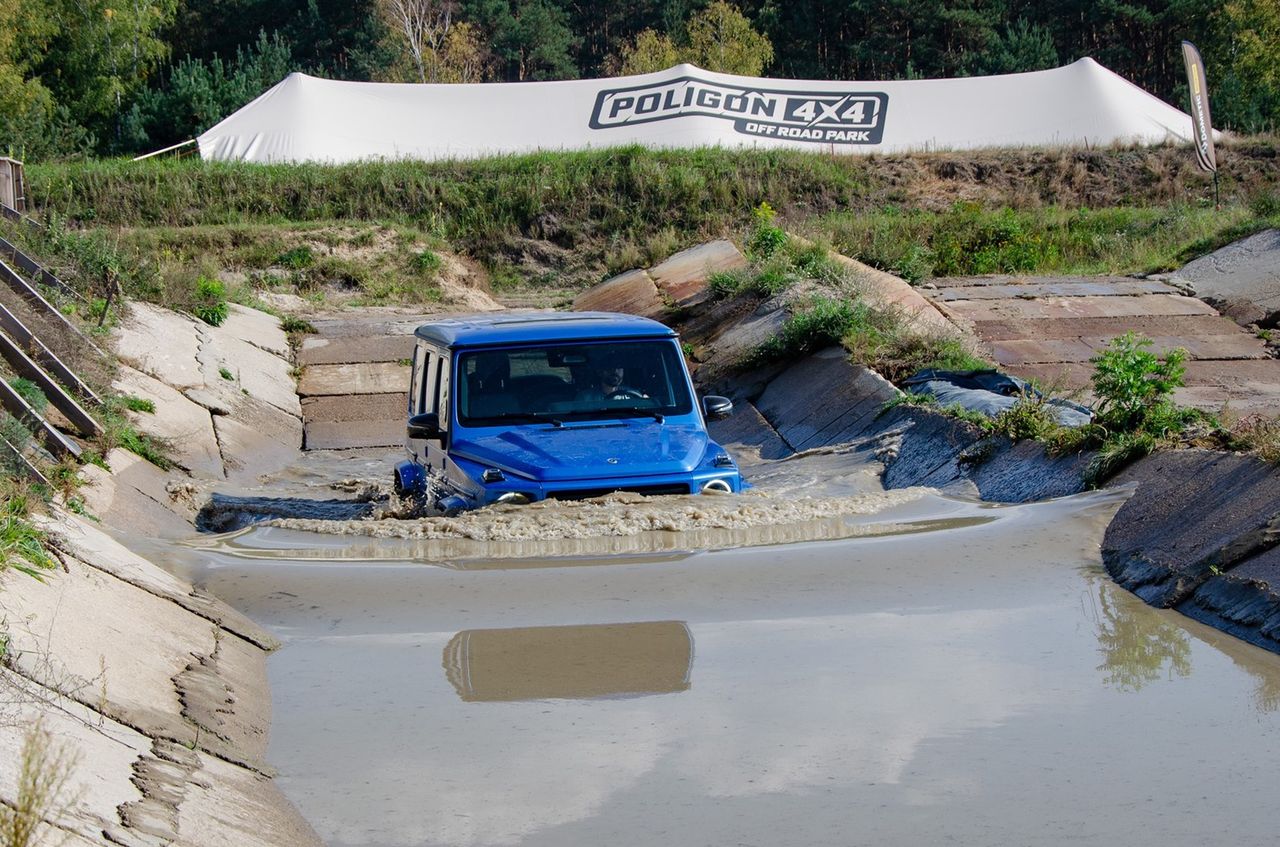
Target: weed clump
[
  {"x": 297, "y": 259},
  {"x": 1136, "y": 412},
  {"x": 44, "y": 772},
  {"x": 21, "y": 543},
  {"x": 1258, "y": 435},
  {"x": 820, "y": 322},
  {"x": 292, "y": 324},
  {"x": 767, "y": 237},
  {"x": 138, "y": 404},
  {"x": 210, "y": 301},
  {"x": 427, "y": 262}
]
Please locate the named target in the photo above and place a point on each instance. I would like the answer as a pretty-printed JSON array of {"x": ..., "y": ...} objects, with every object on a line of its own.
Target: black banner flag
[{"x": 1201, "y": 122}]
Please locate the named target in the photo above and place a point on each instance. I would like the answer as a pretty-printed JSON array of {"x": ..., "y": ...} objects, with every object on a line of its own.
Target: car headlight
[{"x": 717, "y": 486}]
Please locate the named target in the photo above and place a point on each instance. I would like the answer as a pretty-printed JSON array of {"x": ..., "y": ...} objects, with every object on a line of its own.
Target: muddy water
[{"x": 952, "y": 672}]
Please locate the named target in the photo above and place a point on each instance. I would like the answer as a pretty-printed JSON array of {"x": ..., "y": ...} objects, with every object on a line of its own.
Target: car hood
[{"x": 589, "y": 451}]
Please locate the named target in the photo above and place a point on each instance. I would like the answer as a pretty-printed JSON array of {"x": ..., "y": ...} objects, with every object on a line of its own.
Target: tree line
[{"x": 83, "y": 77}]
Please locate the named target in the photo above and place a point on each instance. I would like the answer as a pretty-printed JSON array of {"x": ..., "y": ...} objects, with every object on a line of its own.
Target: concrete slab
[
  {"x": 1199, "y": 326},
  {"x": 1242, "y": 279},
  {"x": 1078, "y": 307},
  {"x": 741, "y": 338},
  {"x": 1239, "y": 345},
  {"x": 261, "y": 374},
  {"x": 868, "y": 395},
  {"x": 256, "y": 438},
  {"x": 101, "y": 754},
  {"x": 85, "y": 541},
  {"x": 1194, "y": 511},
  {"x": 371, "y": 321},
  {"x": 1265, "y": 567},
  {"x": 350, "y": 435},
  {"x": 633, "y": 292},
  {"x": 885, "y": 289},
  {"x": 944, "y": 282},
  {"x": 134, "y": 494},
  {"x": 255, "y": 327},
  {"x": 363, "y": 407},
  {"x": 317, "y": 350},
  {"x": 1024, "y": 351},
  {"x": 1026, "y": 473},
  {"x": 224, "y": 804},
  {"x": 1058, "y": 376},
  {"x": 929, "y": 450},
  {"x": 787, "y": 402},
  {"x": 184, "y": 426},
  {"x": 161, "y": 343},
  {"x": 363, "y": 378},
  {"x": 748, "y": 436},
  {"x": 1092, "y": 288},
  {"x": 683, "y": 277},
  {"x": 226, "y": 696},
  {"x": 106, "y": 644}
]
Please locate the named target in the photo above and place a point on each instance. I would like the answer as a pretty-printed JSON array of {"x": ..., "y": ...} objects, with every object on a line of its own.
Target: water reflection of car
[
  {"x": 570, "y": 662},
  {"x": 512, "y": 408}
]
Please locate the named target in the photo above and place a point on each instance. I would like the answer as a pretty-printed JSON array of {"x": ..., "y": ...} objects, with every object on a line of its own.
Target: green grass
[
  {"x": 292, "y": 324},
  {"x": 21, "y": 543},
  {"x": 969, "y": 239},
  {"x": 138, "y": 404},
  {"x": 565, "y": 220}
]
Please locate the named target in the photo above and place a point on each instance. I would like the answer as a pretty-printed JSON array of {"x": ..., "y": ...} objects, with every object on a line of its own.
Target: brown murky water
[{"x": 948, "y": 672}]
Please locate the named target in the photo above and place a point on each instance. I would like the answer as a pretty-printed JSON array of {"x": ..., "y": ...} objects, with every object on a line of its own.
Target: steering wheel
[{"x": 623, "y": 392}]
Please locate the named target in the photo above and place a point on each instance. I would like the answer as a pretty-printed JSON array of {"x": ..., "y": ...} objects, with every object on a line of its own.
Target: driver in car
[{"x": 606, "y": 383}]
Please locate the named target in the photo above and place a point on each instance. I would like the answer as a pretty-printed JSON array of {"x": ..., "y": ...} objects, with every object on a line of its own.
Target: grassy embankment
[{"x": 557, "y": 222}]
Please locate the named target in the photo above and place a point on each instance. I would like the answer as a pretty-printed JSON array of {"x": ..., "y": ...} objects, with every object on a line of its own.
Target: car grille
[{"x": 588, "y": 493}]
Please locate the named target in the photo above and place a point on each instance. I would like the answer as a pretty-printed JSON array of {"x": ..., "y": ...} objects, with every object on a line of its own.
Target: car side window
[
  {"x": 420, "y": 363},
  {"x": 440, "y": 389}
]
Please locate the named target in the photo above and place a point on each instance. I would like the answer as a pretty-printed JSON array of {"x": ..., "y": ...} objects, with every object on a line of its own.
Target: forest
[{"x": 82, "y": 78}]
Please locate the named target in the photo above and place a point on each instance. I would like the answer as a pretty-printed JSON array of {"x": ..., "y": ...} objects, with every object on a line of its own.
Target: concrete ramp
[
  {"x": 1241, "y": 279},
  {"x": 1048, "y": 328},
  {"x": 355, "y": 381}
]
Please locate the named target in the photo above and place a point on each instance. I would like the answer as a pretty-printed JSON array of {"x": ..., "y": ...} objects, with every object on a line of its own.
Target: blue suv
[{"x": 512, "y": 408}]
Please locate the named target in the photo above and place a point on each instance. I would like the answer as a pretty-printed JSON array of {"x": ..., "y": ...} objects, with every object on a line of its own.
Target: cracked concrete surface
[{"x": 154, "y": 692}]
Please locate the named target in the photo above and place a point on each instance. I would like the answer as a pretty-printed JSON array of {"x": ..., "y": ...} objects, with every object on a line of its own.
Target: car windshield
[{"x": 554, "y": 383}]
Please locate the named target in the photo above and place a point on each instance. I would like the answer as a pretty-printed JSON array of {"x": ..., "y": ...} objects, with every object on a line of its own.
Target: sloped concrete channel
[{"x": 908, "y": 666}]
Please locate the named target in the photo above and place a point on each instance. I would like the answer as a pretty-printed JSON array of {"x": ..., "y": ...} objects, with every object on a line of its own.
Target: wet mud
[{"x": 961, "y": 671}]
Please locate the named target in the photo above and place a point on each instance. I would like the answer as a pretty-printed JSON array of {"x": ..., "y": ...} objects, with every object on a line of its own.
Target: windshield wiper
[
  {"x": 527, "y": 417},
  {"x": 637, "y": 412}
]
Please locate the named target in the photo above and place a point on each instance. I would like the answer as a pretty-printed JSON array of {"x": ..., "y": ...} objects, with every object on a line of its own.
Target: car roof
[{"x": 502, "y": 328}]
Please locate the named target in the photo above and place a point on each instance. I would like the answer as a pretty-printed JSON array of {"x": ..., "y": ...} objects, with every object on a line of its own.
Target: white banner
[{"x": 308, "y": 119}]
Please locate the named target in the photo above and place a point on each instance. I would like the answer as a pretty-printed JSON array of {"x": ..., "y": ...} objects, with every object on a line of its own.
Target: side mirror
[
  {"x": 717, "y": 408},
  {"x": 425, "y": 425}
]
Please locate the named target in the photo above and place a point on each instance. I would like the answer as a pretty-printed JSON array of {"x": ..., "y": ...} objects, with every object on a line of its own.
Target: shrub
[
  {"x": 820, "y": 323},
  {"x": 1134, "y": 387},
  {"x": 210, "y": 301},
  {"x": 297, "y": 259},
  {"x": 1030, "y": 418},
  {"x": 427, "y": 262},
  {"x": 766, "y": 237},
  {"x": 293, "y": 324}
]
